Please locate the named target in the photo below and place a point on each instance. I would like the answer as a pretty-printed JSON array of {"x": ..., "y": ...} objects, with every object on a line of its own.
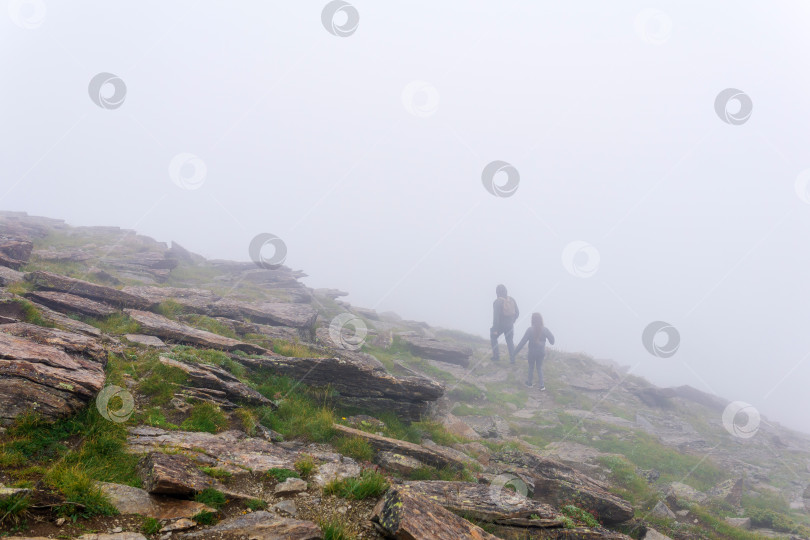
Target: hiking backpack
[{"x": 509, "y": 309}]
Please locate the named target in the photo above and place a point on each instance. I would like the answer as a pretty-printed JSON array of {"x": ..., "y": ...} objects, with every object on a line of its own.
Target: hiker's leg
[
  {"x": 540, "y": 372},
  {"x": 531, "y": 370},
  {"x": 493, "y": 339},
  {"x": 510, "y": 343}
]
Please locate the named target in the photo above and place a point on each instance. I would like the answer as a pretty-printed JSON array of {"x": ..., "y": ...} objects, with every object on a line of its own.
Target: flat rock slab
[
  {"x": 146, "y": 341},
  {"x": 438, "y": 350},
  {"x": 393, "y": 462},
  {"x": 216, "y": 378},
  {"x": 261, "y": 526},
  {"x": 63, "y": 321},
  {"x": 494, "y": 504},
  {"x": 43, "y": 378},
  {"x": 55, "y": 282},
  {"x": 404, "y": 514},
  {"x": 276, "y": 314},
  {"x": 434, "y": 457},
  {"x": 290, "y": 486},
  {"x": 132, "y": 500},
  {"x": 230, "y": 450},
  {"x": 555, "y": 483},
  {"x": 71, "y": 304},
  {"x": 9, "y": 276},
  {"x": 166, "y": 328}
]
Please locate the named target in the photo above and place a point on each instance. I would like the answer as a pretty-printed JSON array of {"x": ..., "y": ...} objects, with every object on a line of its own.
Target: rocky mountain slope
[{"x": 146, "y": 392}]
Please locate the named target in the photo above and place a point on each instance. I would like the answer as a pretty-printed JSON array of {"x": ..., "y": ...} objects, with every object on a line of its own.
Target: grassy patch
[
  {"x": 623, "y": 476},
  {"x": 14, "y": 508},
  {"x": 438, "y": 433},
  {"x": 205, "y": 518},
  {"x": 256, "y": 504},
  {"x": 160, "y": 381},
  {"x": 154, "y": 417},
  {"x": 205, "y": 417},
  {"x": 171, "y": 309},
  {"x": 580, "y": 515},
  {"x": 335, "y": 529},
  {"x": 31, "y": 314},
  {"x": 203, "y": 322},
  {"x": 216, "y": 472},
  {"x": 293, "y": 349},
  {"x": 211, "y": 497},
  {"x": 116, "y": 324},
  {"x": 281, "y": 474},
  {"x": 150, "y": 526},
  {"x": 369, "y": 484},
  {"x": 305, "y": 466},
  {"x": 82, "y": 496},
  {"x": 355, "y": 447}
]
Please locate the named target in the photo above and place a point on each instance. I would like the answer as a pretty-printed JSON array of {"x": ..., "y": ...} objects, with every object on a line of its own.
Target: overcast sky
[{"x": 363, "y": 148}]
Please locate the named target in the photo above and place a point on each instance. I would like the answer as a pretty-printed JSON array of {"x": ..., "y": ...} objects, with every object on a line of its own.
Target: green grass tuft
[
  {"x": 370, "y": 484},
  {"x": 205, "y": 417},
  {"x": 211, "y": 497}
]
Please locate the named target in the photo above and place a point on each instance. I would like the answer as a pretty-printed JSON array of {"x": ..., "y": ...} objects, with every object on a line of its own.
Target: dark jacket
[
  {"x": 537, "y": 347},
  {"x": 499, "y": 322}
]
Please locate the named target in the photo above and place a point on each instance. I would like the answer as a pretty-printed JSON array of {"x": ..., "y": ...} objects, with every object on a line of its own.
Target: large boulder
[
  {"x": 163, "y": 327},
  {"x": 132, "y": 500},
  {"x": 52, "y": 381},
  {"x": 434, "y": 349},
  {"x": 402, "y": 513},
  {"x": 554, "y": 483},
  {"x": 171, "y": 474},
  {"x": 14, "y": 252},
  {"x": 55, "y": 282}
]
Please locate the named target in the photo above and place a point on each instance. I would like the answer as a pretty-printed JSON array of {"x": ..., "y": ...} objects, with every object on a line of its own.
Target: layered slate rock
[
  {"x": 85, "y": 289},
  {"x": 171, "y": 474},
  {"x": 217, "y": 379},
  {"x": 438, "y": 350},
  {"x": 274, "y": 314},
  {"x": 429, "y": 456},
  {"x": 63, "y": 321},
  {"x": 146, "y": 266},
  {"x": 45, "y": 379},
  {"x": 62, "y": 255},
  {"x": 493, "y": 504},
  {"x": 360, "y": 380},
  {"x": 401, "y": 513},
  {"x": 158, "y": 325},
  {"x": 71, "y": 304},
  {"x": 193, "y": 300},
  {"x": 260, "y": 525},
  {"x": 9, "y": 276},
  {"x": 70, "y": 342},
  {"x": 554, "y": 483},
  {"x": 14, "y": 252}
]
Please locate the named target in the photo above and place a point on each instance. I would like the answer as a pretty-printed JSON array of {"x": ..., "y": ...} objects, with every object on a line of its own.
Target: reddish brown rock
[
  {"x": 14, "y": 252},
  {"x": 44, "y": 379},
  {"x": 260, "y": 526},
  {"x": 276, "y": 314},
  {"x": 70, "y": 342}
]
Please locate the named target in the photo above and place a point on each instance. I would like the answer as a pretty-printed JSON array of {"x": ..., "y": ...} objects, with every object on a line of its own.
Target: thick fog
[{"x": 363, "y": 148}]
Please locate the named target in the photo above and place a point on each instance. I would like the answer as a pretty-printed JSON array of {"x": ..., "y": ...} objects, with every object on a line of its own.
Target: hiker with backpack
[
  {"x": 504, "y": 314},
  {"x": 536, "y": 336}
]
